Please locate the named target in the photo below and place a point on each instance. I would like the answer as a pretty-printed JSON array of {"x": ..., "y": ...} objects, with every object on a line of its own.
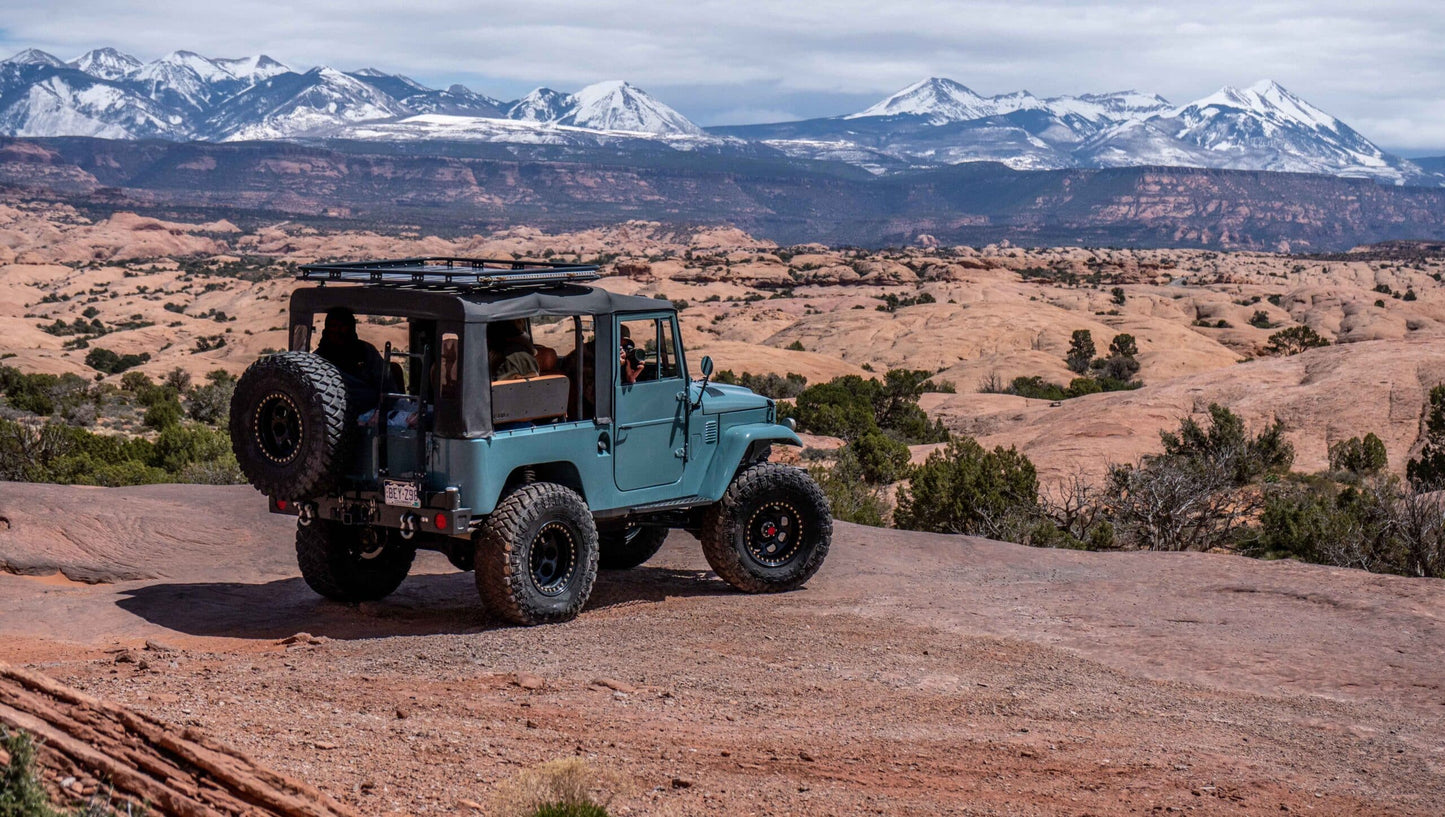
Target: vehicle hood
[{"x": 722, "y": 398}]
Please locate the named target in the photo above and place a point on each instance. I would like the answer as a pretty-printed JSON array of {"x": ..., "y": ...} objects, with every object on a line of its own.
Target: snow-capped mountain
[
  {"x": 939, "y": 121},
  {"x": 541, "y": 105},
  {"x": 106, "y": 63},
  {"x": 613, "y": 105},
  {"x": 252, "y": 70},
  {"x": 1262, "y": 127},
  {"x": 937, "y": 99},
  {"x": 936, "y": 121},
  {"x": 34, "y": 56},
  {"x": 290, "y": 104},
  {"x": 174, "y": 85},
  {"x": 618, "y": 106},
  {"x": 74, "y": 103}
]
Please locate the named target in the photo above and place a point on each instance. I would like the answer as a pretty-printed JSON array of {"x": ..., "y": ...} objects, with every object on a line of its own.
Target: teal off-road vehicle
[{"x": 528, "y": 426}]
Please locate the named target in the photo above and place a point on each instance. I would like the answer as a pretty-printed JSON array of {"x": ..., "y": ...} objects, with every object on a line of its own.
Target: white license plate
[{"x": 403, "y": 494}]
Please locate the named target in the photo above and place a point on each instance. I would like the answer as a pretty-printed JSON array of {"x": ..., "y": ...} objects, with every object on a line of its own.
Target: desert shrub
[
  {"x": 1379, "y": 524},
  {"x": 211, "y": 403},
  {"x": 1359, "y": 456},
  {"x": 964, "y": 488},
  {"x": 135, "y": 381},
  {"x": 778, "y": 387},
  {"x": 1122, "y": 363},
  {"x": 21, "y": 792},
  {"x": 1197, "y": 494},
  {"x": 1075, "y": 507},
  {"x": 852, "y": 406},
  {"x": 850, "y": 496},
  {"x": 1427, "y": 471},
  {"x": 1037, "y": 388},
  {"x": 178, "y": 379},
  {"x": 1123, "y": 345},
  {"x": 562, "y": 788},
  {"x": 1227, "y": 444},
  {"x": 1260, "y": 319},
  {"x": 1081, "y": 351},
  {"x": 1294, "y": 340},
  {"x": 107, "y": 361},
  {"x": 795, "y": 346},
  {"x": 179, "y": 446},
  {"x": 163, "y": 414},
  {"x": 1117, "y": 294},
  {"x": 883, "y": 459}
]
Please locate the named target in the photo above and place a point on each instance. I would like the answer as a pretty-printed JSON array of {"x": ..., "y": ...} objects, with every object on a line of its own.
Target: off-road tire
[
  {"x": 537, "y": 555},
  {"x": 289, "y": 426},
  {"x": 767, "y": 497},
  {"x": 629, "y": 547},
  {"x": 340, "y": 563}
]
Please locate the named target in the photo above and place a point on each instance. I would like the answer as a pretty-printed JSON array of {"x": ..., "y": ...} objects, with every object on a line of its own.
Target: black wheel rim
[
  {"x": 553, "y": 559},
  {"x": 369, "y": 545},
  {"x": 278, "y": 428},
  {"x": 775, "y": 534}
]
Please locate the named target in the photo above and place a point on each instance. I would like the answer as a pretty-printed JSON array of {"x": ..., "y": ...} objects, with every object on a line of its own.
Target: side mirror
[
  {"x": 706, "y": 366},
  {"x": 706, "y": 376}
]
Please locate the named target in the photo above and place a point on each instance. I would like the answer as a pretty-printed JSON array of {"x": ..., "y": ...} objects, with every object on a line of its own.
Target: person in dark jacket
[
  {"x": 510, "y": 352},
  {"x": 361, "y": 365}
]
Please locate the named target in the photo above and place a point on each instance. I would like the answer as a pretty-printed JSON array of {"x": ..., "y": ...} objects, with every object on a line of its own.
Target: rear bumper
[{"x": 437, "y": 516}]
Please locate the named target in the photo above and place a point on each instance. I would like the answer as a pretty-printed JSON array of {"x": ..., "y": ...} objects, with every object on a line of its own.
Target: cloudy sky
[{"x": 1379, "y": 66}]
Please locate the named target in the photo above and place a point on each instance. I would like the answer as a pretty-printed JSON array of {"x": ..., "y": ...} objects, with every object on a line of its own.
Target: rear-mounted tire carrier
[{"x": 289, "y": 426}]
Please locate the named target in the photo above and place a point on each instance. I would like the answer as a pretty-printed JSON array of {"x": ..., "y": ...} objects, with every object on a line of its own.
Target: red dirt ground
[{"x": 916, "y": 675}]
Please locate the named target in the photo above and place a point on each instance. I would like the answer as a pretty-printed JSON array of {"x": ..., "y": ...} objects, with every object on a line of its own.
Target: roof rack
[{"x": 450, "y": 273}]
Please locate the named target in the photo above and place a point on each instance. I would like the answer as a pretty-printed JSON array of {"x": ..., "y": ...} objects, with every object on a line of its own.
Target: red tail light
[{"x": 440, "y": 521}]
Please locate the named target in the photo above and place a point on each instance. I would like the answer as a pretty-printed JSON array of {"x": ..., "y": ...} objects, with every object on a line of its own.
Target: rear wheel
[
  {"x": 770, "y": 531},
  {"x": 627, "y": 548},
  {"x": 536, "y": 555},
  {"x": 352, "y": 563}
]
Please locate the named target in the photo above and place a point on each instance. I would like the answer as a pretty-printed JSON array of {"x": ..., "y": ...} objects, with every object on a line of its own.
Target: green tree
[
  {"x": 1294, "y": 340},
  {"x": 163, "y": 414},
  {"x": 1427, "y": 471},
  {"x": 1360, "y": 457},
  {"x": 1123, "y": 345},
  {"x": 1227, "y": 443},
  {"x": 1081, "y": 351},
  {"x": 883, "y": 459},
  {"x": 178, "y": 379},
  {"x": 850, "y": 496},
  {"x": 1118, "y": 295},
  {"x": 964, "y": 488}
]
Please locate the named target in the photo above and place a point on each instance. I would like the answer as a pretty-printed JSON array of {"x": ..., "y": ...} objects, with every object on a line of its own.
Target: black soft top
[{"x": 474, "y": 306}]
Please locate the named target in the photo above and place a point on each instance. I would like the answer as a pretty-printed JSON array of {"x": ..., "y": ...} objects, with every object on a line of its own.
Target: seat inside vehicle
[{"x": 530, "y": 399}]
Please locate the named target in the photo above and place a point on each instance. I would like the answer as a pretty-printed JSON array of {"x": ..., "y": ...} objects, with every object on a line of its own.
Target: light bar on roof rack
[{"x": 450, "y": 273}]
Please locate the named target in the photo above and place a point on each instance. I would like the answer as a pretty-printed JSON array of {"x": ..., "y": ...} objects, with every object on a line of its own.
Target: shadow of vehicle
[{"x": 426, "y": 604}]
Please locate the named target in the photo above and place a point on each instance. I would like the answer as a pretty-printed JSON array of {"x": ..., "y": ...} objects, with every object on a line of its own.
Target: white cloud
[{"x": 1376, "y": 65}]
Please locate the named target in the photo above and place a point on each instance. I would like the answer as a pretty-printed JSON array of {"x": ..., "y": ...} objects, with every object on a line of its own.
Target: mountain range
[{"x": 936, "y": 122}]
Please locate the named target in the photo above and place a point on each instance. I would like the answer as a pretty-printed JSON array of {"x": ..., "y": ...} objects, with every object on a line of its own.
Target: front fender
[{"x": 733, "y": 447}]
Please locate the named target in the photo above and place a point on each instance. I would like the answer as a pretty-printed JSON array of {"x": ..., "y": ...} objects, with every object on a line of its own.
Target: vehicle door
[{"x": 650, "y": 411}]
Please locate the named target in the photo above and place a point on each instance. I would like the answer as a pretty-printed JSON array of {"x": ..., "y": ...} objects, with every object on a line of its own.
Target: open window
[
  {"x": 647, "y": 350},
  {"x": 542, "y": 370}
]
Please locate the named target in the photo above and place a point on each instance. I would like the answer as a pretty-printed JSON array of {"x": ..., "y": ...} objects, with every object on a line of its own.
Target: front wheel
[
  {"x": 536, "y": 555},
  {"x": 770, "y": 531},
  {"x": 352, "y": 563}
]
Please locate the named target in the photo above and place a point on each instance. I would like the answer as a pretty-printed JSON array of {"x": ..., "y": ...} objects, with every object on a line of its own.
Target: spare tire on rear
[{"x": 289, "y": 425}]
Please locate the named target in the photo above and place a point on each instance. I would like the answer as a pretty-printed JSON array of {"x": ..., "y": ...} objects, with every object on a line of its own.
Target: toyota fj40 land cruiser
[{"x": 532, "y": 481}]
